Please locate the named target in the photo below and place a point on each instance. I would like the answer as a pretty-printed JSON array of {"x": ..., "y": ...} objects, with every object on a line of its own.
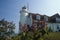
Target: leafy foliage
[
  {"x": 6, "y": 28},
  {"x": 31, "y": 34}
]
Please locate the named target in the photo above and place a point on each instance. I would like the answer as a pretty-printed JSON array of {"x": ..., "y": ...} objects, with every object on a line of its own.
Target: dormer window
[
  {"x": 38, "y": 17},
  {"x": 45, "y": 18},
  {"x": 57, "y": 19}
]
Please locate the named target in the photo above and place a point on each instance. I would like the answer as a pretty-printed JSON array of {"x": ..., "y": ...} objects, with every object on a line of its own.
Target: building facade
[{"x": 37, "y": 20}]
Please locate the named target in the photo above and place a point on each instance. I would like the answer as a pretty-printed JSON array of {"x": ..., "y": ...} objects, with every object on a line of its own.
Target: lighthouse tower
[{"x": 23, "y": 16}]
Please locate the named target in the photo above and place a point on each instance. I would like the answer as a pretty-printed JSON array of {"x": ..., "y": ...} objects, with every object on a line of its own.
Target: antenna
[{"x": 28, "y": 6}]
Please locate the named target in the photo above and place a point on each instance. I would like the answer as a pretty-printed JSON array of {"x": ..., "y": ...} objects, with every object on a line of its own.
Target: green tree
[{"x": 6, "y": 28}]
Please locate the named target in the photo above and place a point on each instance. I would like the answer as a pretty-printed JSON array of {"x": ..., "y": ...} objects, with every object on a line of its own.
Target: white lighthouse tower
[{"x": 23, "y": 16}]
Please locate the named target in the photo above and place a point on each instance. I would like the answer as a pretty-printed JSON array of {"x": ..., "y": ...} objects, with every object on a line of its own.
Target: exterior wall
[
  {"x": 54, "y": 26},
  {"x": 29, "y": 22},
  {"x": 23, "y": 18}
]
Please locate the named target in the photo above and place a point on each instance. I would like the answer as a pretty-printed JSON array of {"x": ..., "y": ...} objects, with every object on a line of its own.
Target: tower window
[{"x": 24, "y": 7}]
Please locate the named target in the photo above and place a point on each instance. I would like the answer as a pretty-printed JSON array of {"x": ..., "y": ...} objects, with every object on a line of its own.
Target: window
[
  {"x": 57, "y": 19},
  {"x": 38, "y": 17},
  {"x": 45, "y": 18},
  {"x": 57, "y": 26},
  {"x": 1, "y": 25}
]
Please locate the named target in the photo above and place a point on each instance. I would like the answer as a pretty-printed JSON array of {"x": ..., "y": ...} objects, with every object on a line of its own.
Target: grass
[
  {"x": 50, "y": 36},
  {"x": 54, "y": 36}
]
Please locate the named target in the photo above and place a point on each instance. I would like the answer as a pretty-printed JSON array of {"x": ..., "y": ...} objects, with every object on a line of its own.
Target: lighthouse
[{"x": 23, "y": 16}]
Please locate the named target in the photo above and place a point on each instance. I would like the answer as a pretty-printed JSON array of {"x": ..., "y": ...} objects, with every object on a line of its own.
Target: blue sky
[{"x": 9, "y": 9}]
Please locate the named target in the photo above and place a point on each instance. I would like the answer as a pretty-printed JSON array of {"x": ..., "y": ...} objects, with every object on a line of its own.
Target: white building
[{"x": 27, "y": 18}]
